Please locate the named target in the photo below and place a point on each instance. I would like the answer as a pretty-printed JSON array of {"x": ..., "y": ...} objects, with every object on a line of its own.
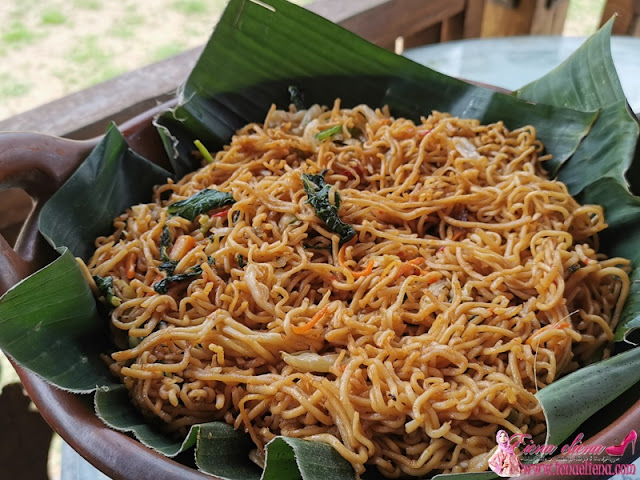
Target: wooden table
[{"x": 512, "y": 62}]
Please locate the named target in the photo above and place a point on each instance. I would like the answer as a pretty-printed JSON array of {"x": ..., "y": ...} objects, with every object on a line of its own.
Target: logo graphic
[
  {"x": 504, "y": 461},
  {"x": 618, "y": 450},
  {"x": 573, "y": 458}
]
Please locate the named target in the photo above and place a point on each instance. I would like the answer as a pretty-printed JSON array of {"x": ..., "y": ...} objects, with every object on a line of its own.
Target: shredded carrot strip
[
  {"x": 131, "y": 265},
  {"x": 433, "y": 279},
  {"x": 183, "y": 244},
  {"x": 341, "y": 259},
  {"x": 342, "y": 250},
  {"x": 458, "y": 233},
  {"x": 309, "y": 325},
  {"x": 404, "y": 269},
  {"x": 551, "y": 326},
  {"x": 410, "y": 267},
  {"x": 367, "y": 271}
]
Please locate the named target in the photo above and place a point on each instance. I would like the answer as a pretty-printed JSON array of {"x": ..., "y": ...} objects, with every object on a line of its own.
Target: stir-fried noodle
[{"x": 399, "y": 291}]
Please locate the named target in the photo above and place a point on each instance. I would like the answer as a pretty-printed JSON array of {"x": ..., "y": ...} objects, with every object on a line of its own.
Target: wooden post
[
  {"x": 466, "y": 24},
  {"x": 474, "y": 16},
  {"x": 418, "y": 21},
  {"x": 524, "y": 17},
  {"x": 628, "y": 16},
  {"x": 549, "y": 17}
]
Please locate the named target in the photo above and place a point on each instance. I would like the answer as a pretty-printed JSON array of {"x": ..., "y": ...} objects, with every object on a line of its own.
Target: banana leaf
[
  {"x": 601, "y": 171},
  {"x": 257, "y": 51}
]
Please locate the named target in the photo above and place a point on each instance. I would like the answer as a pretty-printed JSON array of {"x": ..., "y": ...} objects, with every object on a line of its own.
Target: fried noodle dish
[{"x": 397, "y": 290}]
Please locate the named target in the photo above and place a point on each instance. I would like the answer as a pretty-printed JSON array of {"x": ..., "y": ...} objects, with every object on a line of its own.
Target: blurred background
[{"x": 52, "y": 48}]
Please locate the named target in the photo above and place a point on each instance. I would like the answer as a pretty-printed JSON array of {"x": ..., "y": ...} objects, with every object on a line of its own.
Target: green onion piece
[
  {"x": 167, "y": 264},
  {"x": 203, "y": 150},
  {"x": 163, "y": 285},
  {"x": 329, "y": 132},
  {"x": 317, "y": 191}
]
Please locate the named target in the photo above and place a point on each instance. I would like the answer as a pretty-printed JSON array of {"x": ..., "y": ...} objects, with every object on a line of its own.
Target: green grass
[
  {"x": 70, "y": 78},
  {"x": 191, "y": 7},
  {"x": 18, "y": 34},
  {"x": 87, "y": 4},
  {"x": 165, "y": 51},
  {"x": 108, "y": 72},
  {"x": 583, "y": 17},
  {"x": 89, "y": 50},
  {"x": 22, "y": 9},
  {"x": 10, "y": 87},
  {"x": 53, "y": 17},
  {"x": 91, "y": 63},
  {"x": 127, "y": 27}
]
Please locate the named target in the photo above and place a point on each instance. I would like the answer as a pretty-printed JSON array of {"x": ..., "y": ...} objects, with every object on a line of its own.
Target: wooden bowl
[{"x": 40, "y": 164}]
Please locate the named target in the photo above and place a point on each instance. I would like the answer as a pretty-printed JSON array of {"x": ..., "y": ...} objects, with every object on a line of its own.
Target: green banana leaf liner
[{"x": 50, "y": 323}]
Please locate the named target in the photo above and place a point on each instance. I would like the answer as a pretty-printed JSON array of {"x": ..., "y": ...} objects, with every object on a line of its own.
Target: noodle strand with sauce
[{"x": 454, "y": 282}]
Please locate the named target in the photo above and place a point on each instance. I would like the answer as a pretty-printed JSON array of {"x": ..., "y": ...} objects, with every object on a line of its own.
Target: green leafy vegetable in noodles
[
  {"x": 167, "y": 264},
  {"x": 201, "y": 202},
  {"x": 105, "y": 287},
  {"x": 163, "y": 285},
  {"x": 318, "y": 192}
]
